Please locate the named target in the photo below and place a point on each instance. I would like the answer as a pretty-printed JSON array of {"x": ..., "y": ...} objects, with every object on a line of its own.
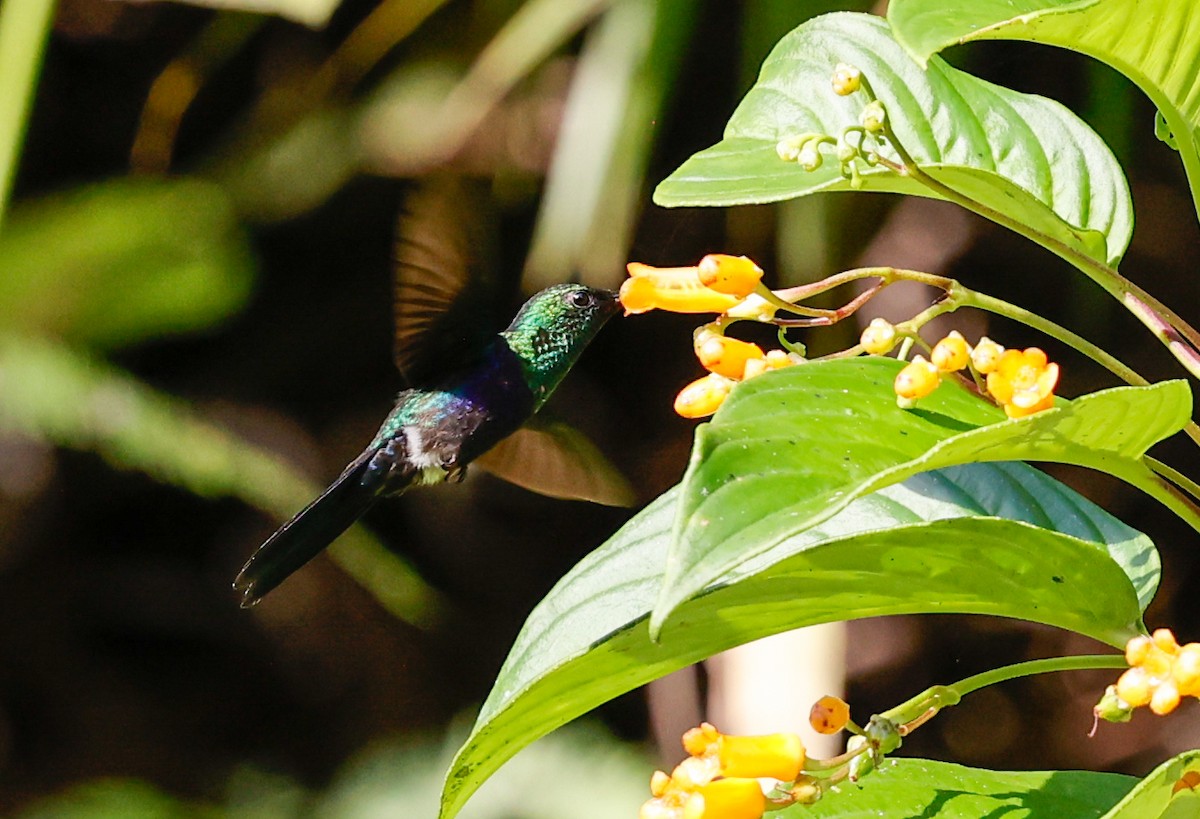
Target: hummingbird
[{"x": 477, "y": 411}]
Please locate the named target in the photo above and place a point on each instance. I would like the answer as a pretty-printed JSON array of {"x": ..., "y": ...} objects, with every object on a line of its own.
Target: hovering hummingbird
[{"x": 475, "y": 411}]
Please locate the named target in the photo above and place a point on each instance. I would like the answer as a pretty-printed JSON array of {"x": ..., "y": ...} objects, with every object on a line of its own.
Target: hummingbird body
[{"x": 433, "y": 433}]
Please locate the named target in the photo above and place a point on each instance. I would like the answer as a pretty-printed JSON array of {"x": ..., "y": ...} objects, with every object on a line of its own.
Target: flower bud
[
  {"x": 703, "y": 396},
  {"x": 951, "y": 353},
  {"x": 846, "y": 79},
  {"x": 986, "y": 355},
  {"x": 917, "y": 380},
  {"x": 1112, "y": 708},
  {"x": 829, "y": 715},
  {"x": 734, "y": 275},
  {"x": 873, "y": 117},
  {"x": 878, "y": 337}
]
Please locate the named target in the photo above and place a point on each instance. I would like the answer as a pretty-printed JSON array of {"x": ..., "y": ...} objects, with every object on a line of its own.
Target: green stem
[
  {"x": 941, "y": 696},
  {"x": 1107, "y": 277},
  {"x": 1174, "y": 476},
  {"x": 24, "y": 29}
]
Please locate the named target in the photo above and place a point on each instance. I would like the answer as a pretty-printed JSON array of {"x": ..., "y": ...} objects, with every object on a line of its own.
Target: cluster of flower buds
[
  {"x": 1021, "y": 381},
  {"x": 718, "y": 284},
  {"x": 719, "y": 779},
  {"x": 1160, "y": 673}
]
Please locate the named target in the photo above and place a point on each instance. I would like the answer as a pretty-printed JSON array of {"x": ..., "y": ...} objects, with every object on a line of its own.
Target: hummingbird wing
[
  {"x": 305, "y": 535},
  {"x": 448, "y": 302},
  {"x": 555, "y": 459}
]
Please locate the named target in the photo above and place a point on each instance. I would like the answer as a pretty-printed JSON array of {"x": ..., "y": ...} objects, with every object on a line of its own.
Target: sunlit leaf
[
  {"x": 790, "y": 449},
  {"x": 1171, "y": 791},
  {"x": 1155, "y": 43},
  {"x": 1027, "y": 158},
  {"x": 1001, "y": 539}
]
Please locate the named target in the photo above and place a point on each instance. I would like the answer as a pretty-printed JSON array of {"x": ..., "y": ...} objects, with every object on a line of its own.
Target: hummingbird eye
[{"x": 580, "y": 298}]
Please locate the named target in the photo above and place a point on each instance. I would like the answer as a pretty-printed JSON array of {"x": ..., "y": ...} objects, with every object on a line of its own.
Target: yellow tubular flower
[
  {"x": 703, "y": 396},
  {"x": 916, "y": 380},
  {"x": 727, "y": 799},
  {"x": 674, "y": 289},
  {"x": 734, "y": 275},
  {"x": 878, "y": 337},
  {"x": 951, "y": 354},
  {"x": 779, "y": 756},
  {"x": 726, "y": 356}
]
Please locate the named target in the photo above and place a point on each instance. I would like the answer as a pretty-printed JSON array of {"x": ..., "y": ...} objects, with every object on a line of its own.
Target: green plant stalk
[
  {"x": 24, "y": 29},
  {"x": 940, "y": 696},
  {"x": 1108, "y": 278}
]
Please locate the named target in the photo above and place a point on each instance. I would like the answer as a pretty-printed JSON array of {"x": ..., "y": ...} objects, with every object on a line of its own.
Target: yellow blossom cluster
[
  {"x": 717, "y": 284},
  {"x": 1021, "y": 381},
  {"x": 1161, "y": 672},
  {"x": 719, "y": 779}
]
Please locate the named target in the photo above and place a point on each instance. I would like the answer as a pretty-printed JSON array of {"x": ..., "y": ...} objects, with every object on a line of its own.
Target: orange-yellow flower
[
  {"x": 674, "y": 289},
  {"x": 704, "y": 396},
  {"x": 1023, "y": 382},
  {"x": 734, "y": 275},
  {"x": 1161, "y": 673}
]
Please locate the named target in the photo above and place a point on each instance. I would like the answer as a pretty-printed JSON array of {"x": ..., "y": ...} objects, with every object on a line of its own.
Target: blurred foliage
[{"x": 392, "y": 780}]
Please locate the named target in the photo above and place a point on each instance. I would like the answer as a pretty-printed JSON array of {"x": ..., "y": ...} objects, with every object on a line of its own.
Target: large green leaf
[
  {"x": 1155, "y": 43},
  {"x": 1026, "y": 157},
  {"x": 122, "y": 261},
  {"x": 999, "y": 539},
  {"x": 791, "y": 449},
  {"x": 1165, "y": 793}
]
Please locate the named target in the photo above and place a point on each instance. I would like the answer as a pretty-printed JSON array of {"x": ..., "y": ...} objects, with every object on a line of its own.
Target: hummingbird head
[{"x": 553, "y": 328}]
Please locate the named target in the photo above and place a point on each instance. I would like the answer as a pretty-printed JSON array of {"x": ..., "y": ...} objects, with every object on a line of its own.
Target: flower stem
[
  {"x": 942, "y": 696},
  {"x": 1153, "y": 313}
]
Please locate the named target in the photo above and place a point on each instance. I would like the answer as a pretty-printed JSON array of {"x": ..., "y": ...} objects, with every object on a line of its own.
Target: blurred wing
[
  {"x": 559, "y": 461},
  {"x": 448, "y": 302}
]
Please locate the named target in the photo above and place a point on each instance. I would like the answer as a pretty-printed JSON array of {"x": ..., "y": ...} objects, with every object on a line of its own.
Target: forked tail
[{"x": 303, "y": 537}]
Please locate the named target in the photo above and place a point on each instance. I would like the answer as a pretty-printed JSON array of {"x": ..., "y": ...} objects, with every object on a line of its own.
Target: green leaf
[
  {"x": 1001, "y": 539},
  {"x": 791, "y": 449},
  {"x": 1152, "y": 42},
  {"x": 1165, "y": 793},
  {"x": 123, "y": 261},
  {"x": 912, "y": 788},
  {"x": 1025, "y": 157}
]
